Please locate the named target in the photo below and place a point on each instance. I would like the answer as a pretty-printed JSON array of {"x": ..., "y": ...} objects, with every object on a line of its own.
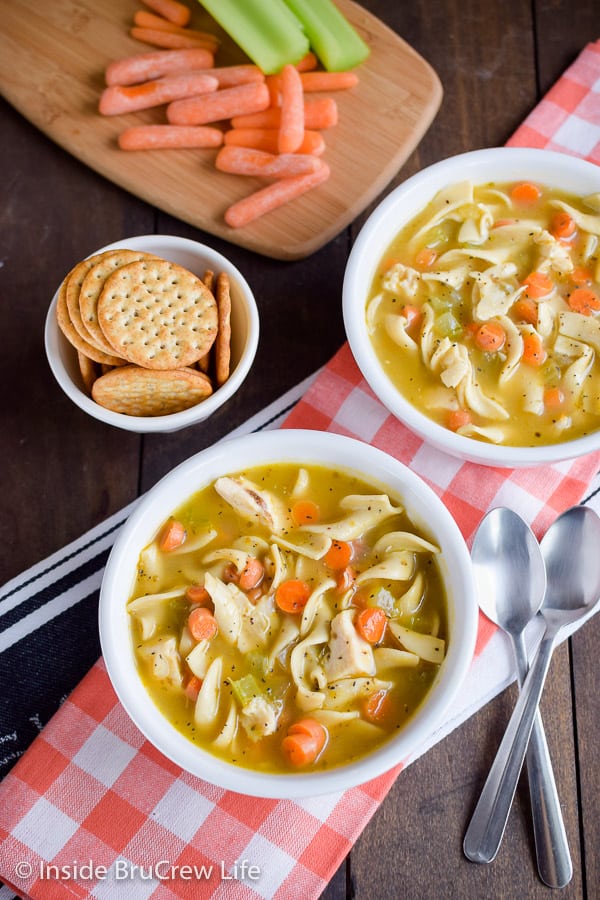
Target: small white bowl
[
  {"x": 498, "y": 164},
  {"x": 196, "y": 257},
  {"x": 425, "y": 510}
]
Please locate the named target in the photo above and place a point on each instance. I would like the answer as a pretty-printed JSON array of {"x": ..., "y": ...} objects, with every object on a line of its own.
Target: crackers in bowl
[{"x": 151, "y": 330}]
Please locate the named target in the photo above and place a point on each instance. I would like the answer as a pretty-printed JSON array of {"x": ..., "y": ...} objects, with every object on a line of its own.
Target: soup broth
[
  {"x": 289, "y": 618},
  {"x": 485, "y": 312}
]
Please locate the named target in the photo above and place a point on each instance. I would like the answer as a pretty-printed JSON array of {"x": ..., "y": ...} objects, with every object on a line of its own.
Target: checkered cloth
[{"x": 93, "y": 810}]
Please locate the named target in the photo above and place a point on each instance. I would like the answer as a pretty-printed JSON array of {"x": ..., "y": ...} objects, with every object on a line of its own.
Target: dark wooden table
[{"x": 63, "y": 472}]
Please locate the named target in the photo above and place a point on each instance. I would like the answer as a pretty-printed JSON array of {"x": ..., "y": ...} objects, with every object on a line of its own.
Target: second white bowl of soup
[
  {"x": 288, "y": 614},
  {"x": 472, "y": 305}
]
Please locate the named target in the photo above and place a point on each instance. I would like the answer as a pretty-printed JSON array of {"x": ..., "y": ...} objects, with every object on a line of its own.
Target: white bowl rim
[
  {"x": 228, "y": 456},
  {"x": 542, "y": 162},
  {"x": 194, "y": 414}
]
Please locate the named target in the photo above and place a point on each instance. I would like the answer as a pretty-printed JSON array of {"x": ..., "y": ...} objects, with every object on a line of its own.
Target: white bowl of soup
[
  {"x": 288, "y": 614},
  {"x": 177, "y": 368},
  {"x": 472, "y": 305}
]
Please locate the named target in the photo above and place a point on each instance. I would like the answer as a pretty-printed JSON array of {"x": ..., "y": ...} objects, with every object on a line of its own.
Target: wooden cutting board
[{"x": 52, "y": 66}]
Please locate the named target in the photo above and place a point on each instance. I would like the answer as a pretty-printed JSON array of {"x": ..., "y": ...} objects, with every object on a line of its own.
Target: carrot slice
[
  {"x": 292, "y": 595},
  {"x": 584, "y": 300},
  {"x": 371, "y": 624},
  {"x": 197, "y": 593},
  {"x": 426, "y": 257},
  {"x": 310, "y": 727},
  {"x": 413, "y": 316},
  {"x": 192, "y": 688},
  {"x": 526, "y": 192},
  {"x": 581, "y": 277},
  {"x": 345, "y": 579},
  {"x": 563, "y": 225},
  {"x": 304, "y": 512},
  {"x": 275, "y": 195},
  {"x": 300, "y": 749},
  {"x": 458, "y": 418},
  {"x": 175, "y": 12},
  {"x": 526, "y": 311},
  {"x": 490, "y": 336},
  {"x": 537, "y": 285},
  {"x": 291, "y": 125},
  {"x": 173, "y": 536},
  {"x": 252, "y": 574},
  {"x": 339, "y": 555},
  {"x": 534, "y": 352},
  {"x": 378, "y": 707},
  {"x": 553, "y": 398},
  {"x": 202, "y": 624},
  {"x": 223, "y": 104}
]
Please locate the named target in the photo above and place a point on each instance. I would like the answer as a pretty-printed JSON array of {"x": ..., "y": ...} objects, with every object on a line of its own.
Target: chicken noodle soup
[
  {"x": 289, "y": 618},
  {"x": 485, "y": 312}
]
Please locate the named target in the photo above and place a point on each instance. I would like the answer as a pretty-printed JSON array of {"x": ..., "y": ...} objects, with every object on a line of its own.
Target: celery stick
[
  {"x": 331, "y": 35},
  {"x": 267, "y": 30}
]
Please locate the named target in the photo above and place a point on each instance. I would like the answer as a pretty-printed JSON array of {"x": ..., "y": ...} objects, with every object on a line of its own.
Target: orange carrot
[
  {"x": 328, "y": 81},
  {"x": 175, "y": 12},
  {"x": 307, "y": 62},
  {"x": 526, "y": 192},
  {"x": 170, "y": 40},
  {"x": 118, "y": 99},
  {"x": 192, "y": 688},
  {"x": 267, "y": 139},
  {"x": 412, "y": 314},
  {"x": 345, "y": 579},
  {"x": 534, "y": 352},
  {"x": 304, "y": 741},
  {"x": 490, "y": 336},
  {"x": 156, "y": 63},
  {"x": 304, "y": 512},
  {"x": 273, "y": 196},
  {"x": 319, "y": 113},
  {"x": 246, "y": 161},
  {"x": 339, "y": 555},
  {"x": 581, "y": 277},
  {"x": 202, "y": 624},
  {"x": 160, "y": 137},
  {"x": 537, "y": 285},
  {"x": 229, "y": 76},
  {"x": 583, "y": 300},
  {"x": 291, "y": 124},
  {"x": 371, "y": 624},
  {"x": 222, "y": 104},
  {"x": 425, "y": 257},
  {"x": 291, "y": 596},
  {"x": 563, "y": 225},
  {"x": 458, "y": 418},
  {"x": 197, "y": 593},
  {"x": 143, "y": 19},
  {"x": 173, "y": 536},
  {"x": 553, "y": 398},
  {"x": 252, "y": 574},
  {"x": 378, "y": 707},
  {"x": 526, "y": 311}
]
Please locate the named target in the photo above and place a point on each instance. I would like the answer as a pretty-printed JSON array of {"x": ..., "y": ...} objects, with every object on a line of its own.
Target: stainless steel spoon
[
  {"x": 511, "y": 579},
  {"x": 570, "y": 550}
]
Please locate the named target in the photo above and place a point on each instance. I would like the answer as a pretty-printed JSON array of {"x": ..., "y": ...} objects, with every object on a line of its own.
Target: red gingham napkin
[{"x": 92, "y": 795}]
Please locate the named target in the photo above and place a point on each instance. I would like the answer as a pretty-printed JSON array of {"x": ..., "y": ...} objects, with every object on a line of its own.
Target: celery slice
[
  {"x": 337, "y": 44},
  {"x": 267, "y": 30}
]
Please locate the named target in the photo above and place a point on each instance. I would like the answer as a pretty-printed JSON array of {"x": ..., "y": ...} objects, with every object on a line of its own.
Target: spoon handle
[
  {"x": 486, "y": 828},
  {"x": 552, "y": 849}
]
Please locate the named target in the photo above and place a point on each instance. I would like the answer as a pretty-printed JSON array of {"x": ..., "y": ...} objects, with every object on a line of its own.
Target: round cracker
[
  {"x": 158, "y": 314},
  {"x": 223, "y": 339},
  {"x": 74, "y": 281},
  {"x": 134, "y": 391},
  {"x": 90, "y": 288},
  {"x": 89, "y": 370},
  {"x": 72, "y": 335}
]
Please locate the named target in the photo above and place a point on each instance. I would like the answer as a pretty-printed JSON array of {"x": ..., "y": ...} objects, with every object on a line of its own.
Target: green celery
[
  {"x": 337, "y": 44},
  {"x": 265, "y": 29}
]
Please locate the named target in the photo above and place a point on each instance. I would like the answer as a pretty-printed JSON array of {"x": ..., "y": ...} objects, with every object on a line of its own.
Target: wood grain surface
[
  {"x": 71, "y": 43},
  {"x": 63, "y": 472}
]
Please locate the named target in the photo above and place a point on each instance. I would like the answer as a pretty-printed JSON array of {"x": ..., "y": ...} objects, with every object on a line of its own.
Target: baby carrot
[
  {"x": 563, "y": 225},
  {"x": 143, "y": 19},
  {"x": 223, "y": 105},
  {"x": 584, "y": 300},
  {"x": 526, "y": 192},
  {"x": 292, "y": 596},
  {"x": 118, "y": 99},
  {"x": 267, "y": 139},
  {"x": 202, "y": 624},
  {"x": 526, "y": 311},
  {"x": 168, "y": 39},
  {"x": 490, "y": 336},
  {"x": 339, "y": 555},
  {"x": 246, "y": 161},
  {"x": 161, "y": 137},
  {"x": 534, "y": 352},
  {"x": 229, "y": 76},
  {"x": 457, "y": 419},
  {"x": 371, "y": 624},
  {"x": 307, "y": 62},
  {"x": 319, "y": 113},
  {"x": 156, "y": 63},
  {"x": 537, "y": 285},
  {"x": 252, "y": 574},
  {"x": 304, "y": 512},
  {"x": 173, "y": 536},
  {"x": 273, "y": 196},
  {"x": 328, "y": 81},
  {"x": 291, "y": 123},
  {"x": 175, "y": 12}
]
